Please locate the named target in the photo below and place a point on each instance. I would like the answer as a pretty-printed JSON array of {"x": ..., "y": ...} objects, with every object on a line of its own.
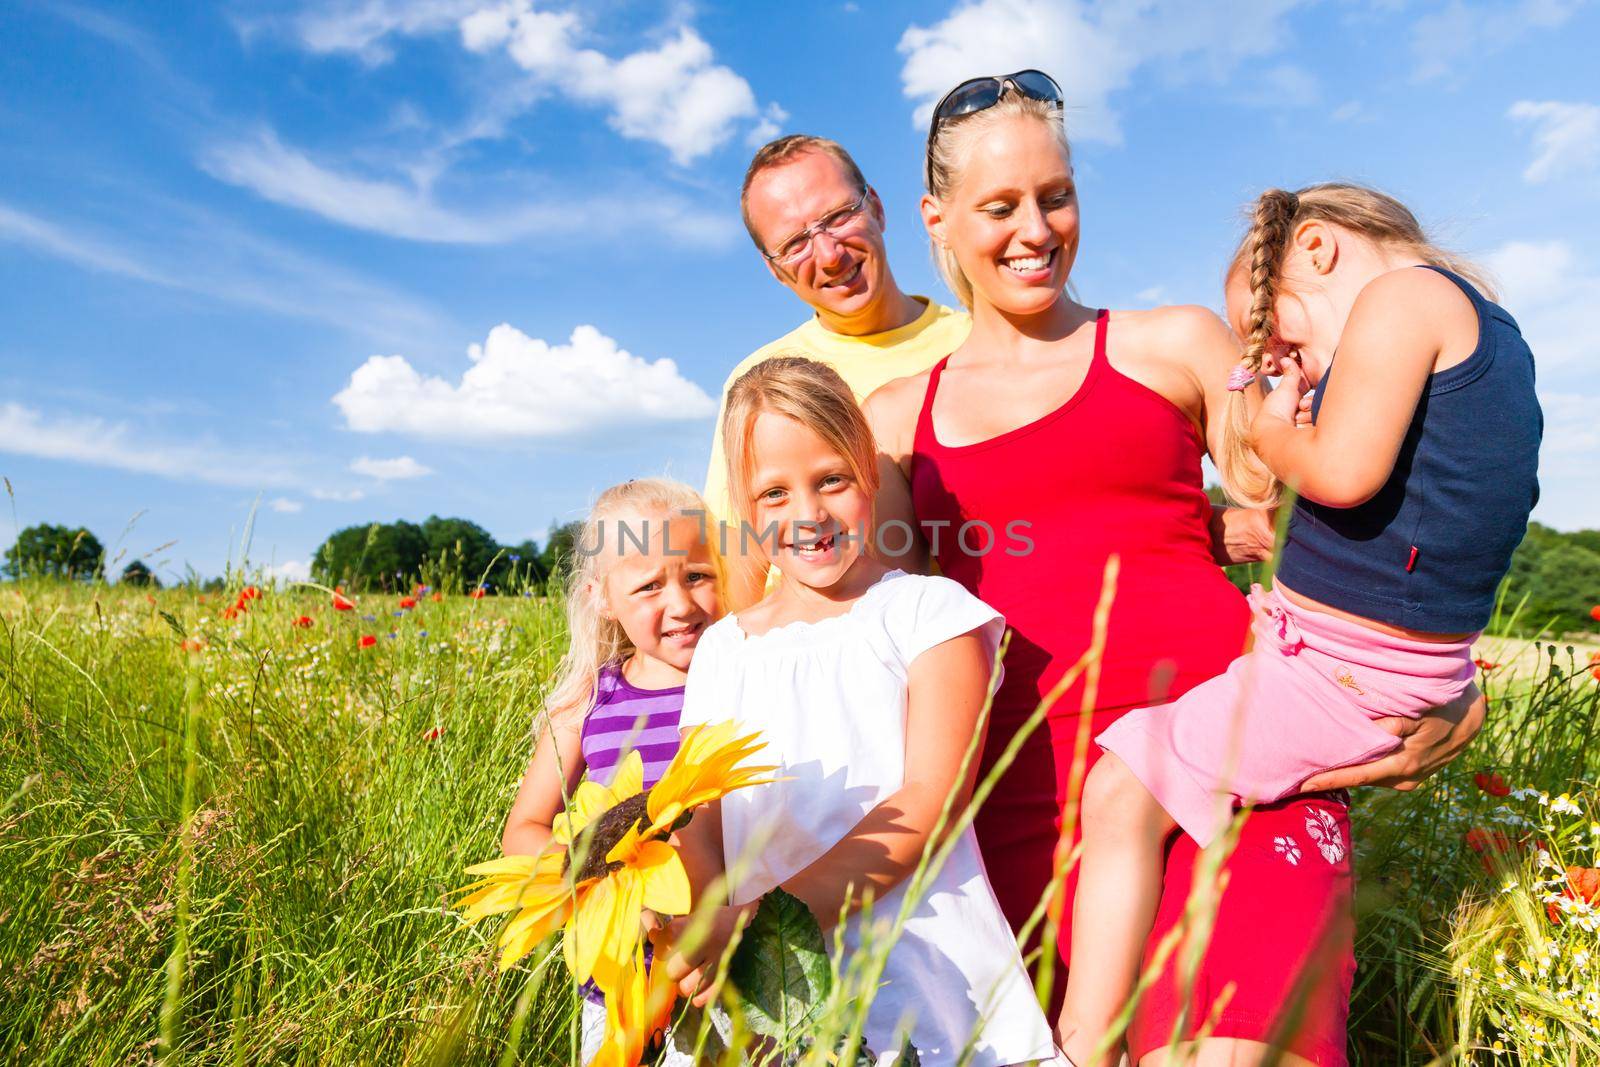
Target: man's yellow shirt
[{"x": 864, "y": 362}]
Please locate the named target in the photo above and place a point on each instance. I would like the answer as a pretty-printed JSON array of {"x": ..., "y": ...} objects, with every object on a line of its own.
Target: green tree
[
  {"x": 379, "y": 555},
  {"x": 521, "y": 567},
  {"x": 136, "y": 573},
  {"x": 1555, "y": 579},
  {"x": 46, "y": 550},
  {"x": 460, "y": 549},
  {"x": 559, "y": 548}
]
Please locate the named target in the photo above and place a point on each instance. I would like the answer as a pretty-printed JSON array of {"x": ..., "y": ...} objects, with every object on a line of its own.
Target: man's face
[{"x": 845, "y": 275}]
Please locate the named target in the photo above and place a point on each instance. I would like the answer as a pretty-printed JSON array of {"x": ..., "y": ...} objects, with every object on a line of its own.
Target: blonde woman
[{"x": 1083, "y": 430}]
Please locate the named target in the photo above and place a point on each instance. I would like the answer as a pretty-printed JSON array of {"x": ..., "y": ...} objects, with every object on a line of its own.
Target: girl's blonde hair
[
  {"x": 1378, "y": 217},
  {"x": 596, "y": 640},
  {"x": 811, "y": 394},
  {"x": 951, "y": 148}
]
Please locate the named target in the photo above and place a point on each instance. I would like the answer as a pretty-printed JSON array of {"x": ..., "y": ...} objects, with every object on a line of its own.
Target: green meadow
[{"x": 243, "y": 850}]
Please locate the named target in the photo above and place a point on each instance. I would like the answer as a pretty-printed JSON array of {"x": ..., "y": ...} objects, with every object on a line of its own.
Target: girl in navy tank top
[
  {"x": 1415, "y": 468},
  {"x": 642, "y": 589}
]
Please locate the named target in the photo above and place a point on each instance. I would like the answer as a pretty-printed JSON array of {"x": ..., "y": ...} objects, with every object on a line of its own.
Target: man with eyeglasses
[{"x": 819, "y": 228}]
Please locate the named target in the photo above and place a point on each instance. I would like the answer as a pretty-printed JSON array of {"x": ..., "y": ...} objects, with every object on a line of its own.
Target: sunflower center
[{"x": 602, "y": 835}]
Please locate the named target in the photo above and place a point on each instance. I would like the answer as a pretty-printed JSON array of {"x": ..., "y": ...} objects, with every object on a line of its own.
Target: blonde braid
[
  {"x": 1268, "y": 239},
  {"x": 1246, "y": 479}
]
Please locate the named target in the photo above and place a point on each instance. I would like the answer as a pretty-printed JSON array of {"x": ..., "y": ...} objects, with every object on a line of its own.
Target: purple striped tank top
[{"x": 626, "y": 718}]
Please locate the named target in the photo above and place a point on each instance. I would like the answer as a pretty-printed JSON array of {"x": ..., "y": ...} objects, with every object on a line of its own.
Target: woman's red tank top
[{"x": 1115, "y": 469}]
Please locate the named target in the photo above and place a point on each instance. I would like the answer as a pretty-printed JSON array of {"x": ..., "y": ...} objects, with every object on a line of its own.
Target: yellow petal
[
  {"x": 505, "y": 866},
  {"x": 629, "y": 779},
  {"x": 490, "y": 900},
  {"x": 589, "y": 801},
  {"x": 664, "y": 882},
  {"x": 586, "y": 933}
]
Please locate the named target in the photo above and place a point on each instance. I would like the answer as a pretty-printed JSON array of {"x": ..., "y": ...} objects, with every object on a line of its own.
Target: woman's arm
[
  {"x": 1386, "y": 353},
  {"x": 552, "y": 775},
  {"x": 947, "y": 686},
  {"x": 1241, "y": 535},
  {"x": 892, "y": 413},
  {"x": 1428, "y": 744}
]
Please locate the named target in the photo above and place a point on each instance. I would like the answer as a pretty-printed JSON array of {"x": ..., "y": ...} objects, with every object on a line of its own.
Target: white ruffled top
[{"x": 830, "y": 699}]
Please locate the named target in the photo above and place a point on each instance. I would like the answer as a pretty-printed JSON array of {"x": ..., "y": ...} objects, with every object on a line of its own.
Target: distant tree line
[
  {"x": 1554, "y": 584},
  {"x": 447, "y": 553}
]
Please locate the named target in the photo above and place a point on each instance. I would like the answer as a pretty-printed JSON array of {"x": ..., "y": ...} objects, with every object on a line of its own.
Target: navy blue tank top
[{"x": 1429, "y": 550}]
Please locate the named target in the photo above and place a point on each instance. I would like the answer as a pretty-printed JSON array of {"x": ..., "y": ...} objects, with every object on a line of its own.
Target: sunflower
[
  {"x": 605, "y": 929},
  {"x": 636, "y": 1012},
  {"x": 609, "y": 859},
  {"x": 532, "y": 886},
  {"x": 705, "y": 769}
]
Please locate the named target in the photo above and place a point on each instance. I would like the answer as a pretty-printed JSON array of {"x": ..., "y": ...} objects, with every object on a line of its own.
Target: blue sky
[{"x": 380, "y": 259}]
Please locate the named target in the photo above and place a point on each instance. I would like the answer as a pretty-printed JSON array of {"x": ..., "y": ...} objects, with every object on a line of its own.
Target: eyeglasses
[
  {"x": 980, "y": 94},
  {"x": 797, "y": 249}
]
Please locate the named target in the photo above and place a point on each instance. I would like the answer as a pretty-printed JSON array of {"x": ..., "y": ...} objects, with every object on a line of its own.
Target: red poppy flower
[
  {"x": 192, "y": 644},
  {"x": 1583, "y": 883},
  {"x": 150, "y": 597},
  {"x": 303, "y": 622},
  {"x": 1485, "y": 665},
  {"x": 1484, "y": 841},
  {"x": 230, "y": 613},
  {"x": 408, "y": 602},
  {"x": 437, "y": 597},
  {"x": 433, "y": 734},
  {"x": 367, "y": 641},
  {"x": 479, "y": 593},
  {"x": 1492, "y": 846},
  {"x": 343, "y": 603},
  {"x": 249, "y": 592},
  {"x": 1594, "y": 613},
  {"x": 1492, "y": 784}
]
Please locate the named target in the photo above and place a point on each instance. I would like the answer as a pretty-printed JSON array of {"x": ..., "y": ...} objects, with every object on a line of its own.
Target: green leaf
[{"x": 780, "y": 968}]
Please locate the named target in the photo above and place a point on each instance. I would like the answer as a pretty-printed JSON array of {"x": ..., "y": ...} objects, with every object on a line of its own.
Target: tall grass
[{"x": 242, "y": 855}]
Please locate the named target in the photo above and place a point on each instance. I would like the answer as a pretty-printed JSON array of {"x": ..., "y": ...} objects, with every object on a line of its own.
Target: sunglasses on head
[{"x": 980, "y": 94}]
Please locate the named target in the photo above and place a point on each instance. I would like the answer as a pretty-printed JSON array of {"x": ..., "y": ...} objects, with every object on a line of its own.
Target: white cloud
[
  {"x": 1093, "y": 50},
  {"x": 1552, "y": 294},
  {"x": 1566, "y": 135},
  {"x": 96, "y": 442},
  {"x": 285, "y": 505},
  {"x": 1552, "y": 291},
  {"x": 674, "y": 94},
  {"x": 770, "y": 126},
  {"x": 1459, "y": 36},
  {"x": 199, "y": 254},
  {"x": 1569, "y": 477},
  {"x": 522, "y": 387},
  {"x": 410, "y": 210},
  {"x": 362, "y": 26},
  {"x": 1349, "y": 111},
  {"x": 342, "y": 496},
  {"x": 385, "y": 470},
  {"x": 293, "y": 570}
]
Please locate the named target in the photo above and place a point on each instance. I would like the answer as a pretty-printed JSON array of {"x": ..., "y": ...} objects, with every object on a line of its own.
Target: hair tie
[{"x": 1239, "y": 378}]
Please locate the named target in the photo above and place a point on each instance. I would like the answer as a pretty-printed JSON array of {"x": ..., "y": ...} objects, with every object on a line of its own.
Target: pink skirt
[{"x": 1302, "y": 701}]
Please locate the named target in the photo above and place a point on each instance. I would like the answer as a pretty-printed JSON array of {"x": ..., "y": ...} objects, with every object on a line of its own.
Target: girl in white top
[{"x": 867, "y": 684}]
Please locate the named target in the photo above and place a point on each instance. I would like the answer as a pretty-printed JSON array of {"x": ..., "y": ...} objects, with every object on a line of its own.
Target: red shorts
[
  {"x": 1284, "y": 938},
  {"x": 1284, "y": 935}
]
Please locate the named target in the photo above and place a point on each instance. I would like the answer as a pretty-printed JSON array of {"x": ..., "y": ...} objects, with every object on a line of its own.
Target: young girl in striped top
[{"x": 642, "y": 589}]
